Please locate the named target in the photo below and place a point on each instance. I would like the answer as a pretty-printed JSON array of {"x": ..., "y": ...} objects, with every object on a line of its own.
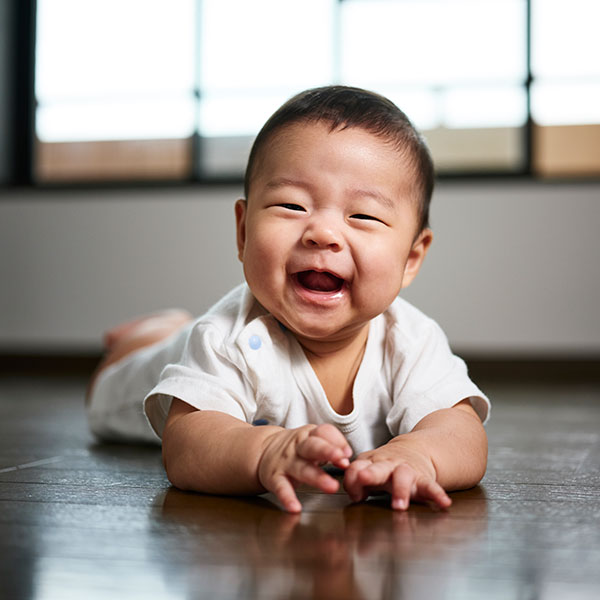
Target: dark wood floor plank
[{"x": 84, "y": 520}]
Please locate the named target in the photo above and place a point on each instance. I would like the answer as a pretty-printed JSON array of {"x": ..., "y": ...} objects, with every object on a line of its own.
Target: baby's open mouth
[{"x": 319, "y": 281}]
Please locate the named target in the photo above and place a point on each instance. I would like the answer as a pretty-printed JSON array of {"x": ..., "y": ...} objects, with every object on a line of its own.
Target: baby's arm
[
  {"x": 210, "y": 451},
  {"x": 447, "y": 450}
]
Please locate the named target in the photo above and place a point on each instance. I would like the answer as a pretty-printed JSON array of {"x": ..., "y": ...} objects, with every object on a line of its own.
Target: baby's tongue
[{"x": 319, "y": 282}]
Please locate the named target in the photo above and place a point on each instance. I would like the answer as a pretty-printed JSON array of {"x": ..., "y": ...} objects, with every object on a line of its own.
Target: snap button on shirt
[{"x": 254, "y": 342}]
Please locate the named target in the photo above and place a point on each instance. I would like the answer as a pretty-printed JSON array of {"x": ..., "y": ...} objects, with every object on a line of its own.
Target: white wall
[{"x": 513, "y": 269}]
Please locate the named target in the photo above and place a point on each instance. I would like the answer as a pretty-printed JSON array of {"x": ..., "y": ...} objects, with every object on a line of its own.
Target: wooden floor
[{"x": 84, "y": 521}]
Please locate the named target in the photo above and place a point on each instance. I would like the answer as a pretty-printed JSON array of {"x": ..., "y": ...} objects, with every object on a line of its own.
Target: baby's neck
[
  {"x": 329, "y": 349},
  {"x": 336, "y": 364}
]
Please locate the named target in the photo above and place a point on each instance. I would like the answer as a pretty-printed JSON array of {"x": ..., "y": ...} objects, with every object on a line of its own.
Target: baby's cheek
[{"x": 376, "y": 295}]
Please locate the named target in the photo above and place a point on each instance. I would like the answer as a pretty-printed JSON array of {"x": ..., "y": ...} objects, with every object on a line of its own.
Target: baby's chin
[
  {"x": 316, "y": 323},
  {"x": 324, "y": 333}
]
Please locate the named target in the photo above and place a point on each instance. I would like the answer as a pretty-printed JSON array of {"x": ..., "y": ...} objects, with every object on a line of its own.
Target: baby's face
[{"x": 327, "y": 235}]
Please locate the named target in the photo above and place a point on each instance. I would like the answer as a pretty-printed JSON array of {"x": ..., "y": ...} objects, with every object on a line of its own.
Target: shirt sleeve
[
  {"x": 208, "y": 377},
  {"x": 429, "y": 377}
]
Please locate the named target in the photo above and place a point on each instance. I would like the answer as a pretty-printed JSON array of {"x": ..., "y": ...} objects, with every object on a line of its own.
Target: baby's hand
[
  {"x": 404, "y": 473},
  {"x": 294, "y": 456}
]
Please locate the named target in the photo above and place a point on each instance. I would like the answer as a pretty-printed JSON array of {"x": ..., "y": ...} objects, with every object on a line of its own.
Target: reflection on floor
[{"x": 81, "y": 520}]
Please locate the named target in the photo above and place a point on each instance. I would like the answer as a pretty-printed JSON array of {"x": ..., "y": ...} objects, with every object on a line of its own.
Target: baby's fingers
[
  {"x": 363, "y": 475},
  {"x": 286, "y": 494},
  {"x": 406, "y": 485},
  {"x": 403, "y": 485},
  {"x": 430, "y": 490},
  {"x": 319, "y": 450},
  {"x": 310, "y": 474},
  {"x": 299, "y": 471},
  {"x": 334, "y": 439}
]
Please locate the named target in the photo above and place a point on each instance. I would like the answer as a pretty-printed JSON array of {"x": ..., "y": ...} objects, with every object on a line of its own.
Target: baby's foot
[
  {"x": 133, "y": 335},
  {"x": 171, "y": 319},
  {"x": 120, "y": 331}
]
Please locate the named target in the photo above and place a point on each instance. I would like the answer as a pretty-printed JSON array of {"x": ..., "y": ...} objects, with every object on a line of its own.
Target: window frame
[{"x": 22, "y": 108}]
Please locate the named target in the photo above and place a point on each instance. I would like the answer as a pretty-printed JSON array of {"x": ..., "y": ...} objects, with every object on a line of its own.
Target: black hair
[{"x": 342, "y": 107}]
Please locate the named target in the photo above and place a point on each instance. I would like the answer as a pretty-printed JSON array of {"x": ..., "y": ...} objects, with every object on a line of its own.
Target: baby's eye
[
  {"x": 289, "y": 206},
  {"x": 366, "y": 218}
]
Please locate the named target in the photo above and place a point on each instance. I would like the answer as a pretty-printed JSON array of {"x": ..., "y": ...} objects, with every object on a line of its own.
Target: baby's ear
[
  {"x": 416, "y": 256},
  {"x": 240, "y": 226}
]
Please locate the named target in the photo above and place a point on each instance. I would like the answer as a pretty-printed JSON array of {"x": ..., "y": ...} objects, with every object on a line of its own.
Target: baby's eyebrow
[
  {"x": 286, "y": 181},
  {"x": 375, "y": 195}
]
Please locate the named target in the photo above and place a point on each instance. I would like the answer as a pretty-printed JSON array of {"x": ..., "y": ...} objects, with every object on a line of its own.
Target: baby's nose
[{"x": 323, "y": 234}]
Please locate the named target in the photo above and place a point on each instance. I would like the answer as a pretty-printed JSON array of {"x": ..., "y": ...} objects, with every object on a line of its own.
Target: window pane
[
  {"x": 265, "y": 44},
  {"x": 565, "y": 40},
  {"x": 433, "y": 42},
  {"x": 565, "y": 62},
  {"x": 118, "y": 119},
  {"x": 484, "y": 107},
  {"x": 460, "y": 107},
  {"x": 565, "y": 103},
  {"x": 254, "y": 55},
  {"x": 114, "y": 69},
  {"x": 237, "y": 114}
]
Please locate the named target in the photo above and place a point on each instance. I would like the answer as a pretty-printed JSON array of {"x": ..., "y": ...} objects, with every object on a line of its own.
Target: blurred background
[{"x": 125, "y": 127}]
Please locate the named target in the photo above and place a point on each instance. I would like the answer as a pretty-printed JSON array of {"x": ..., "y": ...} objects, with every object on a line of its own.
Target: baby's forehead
[
  {"x": 296, "y": 135},
  {"x": 293, "y": 136}
]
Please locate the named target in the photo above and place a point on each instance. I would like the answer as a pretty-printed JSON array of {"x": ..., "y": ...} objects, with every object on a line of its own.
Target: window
[
  {"x": 457, "y": 68},
  {"x": 114, "y": 86},
  {"x": 176, "y": 89},
  {"x": 565, "y": 94},
  {"x": 253, "y": 56}
]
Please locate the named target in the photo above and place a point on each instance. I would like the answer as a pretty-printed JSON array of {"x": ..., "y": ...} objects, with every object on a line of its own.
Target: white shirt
[{"x": 239, "y": 360}]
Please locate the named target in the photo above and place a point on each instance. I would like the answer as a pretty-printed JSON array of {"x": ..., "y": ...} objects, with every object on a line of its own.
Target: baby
[{"x": 315, "y": 360}]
